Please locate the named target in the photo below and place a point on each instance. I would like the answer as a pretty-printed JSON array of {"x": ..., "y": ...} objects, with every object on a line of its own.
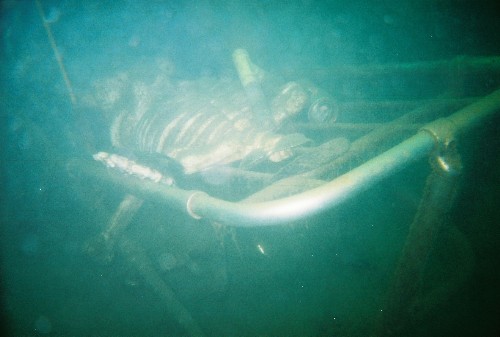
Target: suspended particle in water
[
  {"x": 261, "y": 249},
  {"x": 43, "y": 325}
]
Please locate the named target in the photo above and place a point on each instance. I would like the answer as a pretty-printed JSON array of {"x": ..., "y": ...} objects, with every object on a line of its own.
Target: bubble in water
[{"x": 43, "y": 325}]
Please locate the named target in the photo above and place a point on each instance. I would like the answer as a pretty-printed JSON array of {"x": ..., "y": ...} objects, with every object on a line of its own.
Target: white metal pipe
[
  {"x": 200, "y": 205},
  {"x": 315, "y": 200},
  {"x": 331, "y": 194}
]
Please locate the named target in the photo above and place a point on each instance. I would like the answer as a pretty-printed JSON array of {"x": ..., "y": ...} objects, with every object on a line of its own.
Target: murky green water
[{"x": 79, "y": 258}]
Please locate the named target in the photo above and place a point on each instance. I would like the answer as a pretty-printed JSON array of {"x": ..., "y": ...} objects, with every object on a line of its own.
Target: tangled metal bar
[{"x": 200, "y": 205}]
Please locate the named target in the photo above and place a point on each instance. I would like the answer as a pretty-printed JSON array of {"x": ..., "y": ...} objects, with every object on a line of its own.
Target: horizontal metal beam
[{"x": 466, "y": 64}]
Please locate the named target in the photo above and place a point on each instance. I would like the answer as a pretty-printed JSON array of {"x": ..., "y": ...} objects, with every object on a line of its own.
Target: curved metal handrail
[{"x": 199, "y": 204}]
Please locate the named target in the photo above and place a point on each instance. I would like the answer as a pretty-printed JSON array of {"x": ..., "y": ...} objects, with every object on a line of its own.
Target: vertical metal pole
[
  {"x": 400, "y": 312},
  {"x": 57, "y": 55}
]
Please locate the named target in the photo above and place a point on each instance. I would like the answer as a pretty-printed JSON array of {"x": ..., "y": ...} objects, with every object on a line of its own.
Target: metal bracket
[
  {"x": 445, "y": 157},
  {"x": 189, "y": 206}
]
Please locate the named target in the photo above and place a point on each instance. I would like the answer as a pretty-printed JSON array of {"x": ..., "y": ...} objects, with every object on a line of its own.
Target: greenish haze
[{"x": 325, "y": 276}]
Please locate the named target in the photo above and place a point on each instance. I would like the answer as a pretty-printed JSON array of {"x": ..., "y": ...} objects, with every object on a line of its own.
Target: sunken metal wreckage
[
  {"x": 213, "y": 135},
  {"x": 219, "y": 138},
  {"x": 211, "y": 129}
]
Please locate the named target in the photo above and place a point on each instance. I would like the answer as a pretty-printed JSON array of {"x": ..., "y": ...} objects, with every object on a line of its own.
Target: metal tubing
[
  {"x": 344, "y": 187},
  {"x": 318, "y": 199},
  {"x": 201, "y": 205},
  {"x": 472, "y": 65},
  {"x": 146, "y": 189},
  {"x": 382, "y": 138},
  {"x": 474, "y": 114}
]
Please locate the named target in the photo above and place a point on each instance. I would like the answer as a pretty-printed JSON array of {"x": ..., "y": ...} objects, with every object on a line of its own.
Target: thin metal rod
[
  {"x": 357, "y": 127},
  {"x": 473, "y": 65},
  {"x": 56, "y": 52}
]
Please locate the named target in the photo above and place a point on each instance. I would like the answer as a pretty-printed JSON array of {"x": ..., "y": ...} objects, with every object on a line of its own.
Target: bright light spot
[{"x": 261, "y": 249}]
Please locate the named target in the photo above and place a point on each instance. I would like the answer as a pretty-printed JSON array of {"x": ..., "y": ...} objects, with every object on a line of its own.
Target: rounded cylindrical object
[
  {"x": 323, "y": 109},
  {"x": 249, "y": 75},
  {"x": 291, "y": 99},
  {"x": 244, "y": 66}
]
